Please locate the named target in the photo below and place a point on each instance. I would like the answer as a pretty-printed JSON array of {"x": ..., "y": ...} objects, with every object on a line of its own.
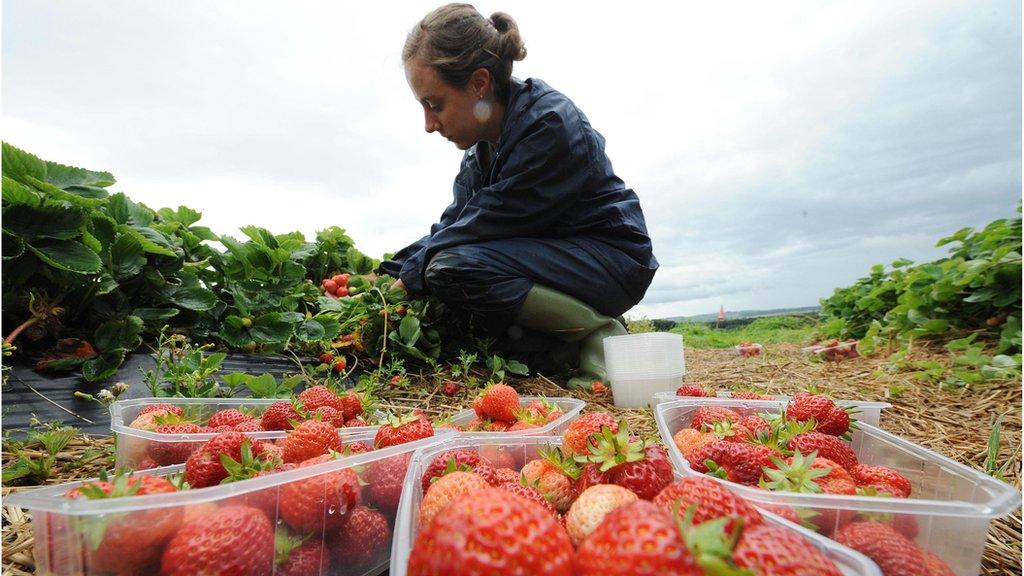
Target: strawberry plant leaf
[
  {"x": 310, "y": 331},
  {"x": 13, "y": 246},
  {"x": 126, "y": 257},
  {"x": 46, "y": 221},
  {"x": 18, "y": 164},
  {"x": 103, "y": 366},
  {"x": 68, "y": 255},
  {"x": 15, "y": 192},
  {"x": 67, "y": 176},
  {"x": 409, "y": 330},
  {"x": 118, "y": 334}
]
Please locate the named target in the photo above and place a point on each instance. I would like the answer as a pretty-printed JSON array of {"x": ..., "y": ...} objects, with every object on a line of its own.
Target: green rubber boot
[{"x": 551, "y": 311}]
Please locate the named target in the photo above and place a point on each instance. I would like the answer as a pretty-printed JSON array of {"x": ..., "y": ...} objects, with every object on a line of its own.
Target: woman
[{"x": 541, "y": 233}]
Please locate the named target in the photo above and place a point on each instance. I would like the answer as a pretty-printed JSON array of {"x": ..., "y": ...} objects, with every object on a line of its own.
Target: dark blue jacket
[{"x": 550, "y": 178}]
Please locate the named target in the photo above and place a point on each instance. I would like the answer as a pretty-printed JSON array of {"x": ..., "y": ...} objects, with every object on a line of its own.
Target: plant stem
[{"x": 21, "y": 328}]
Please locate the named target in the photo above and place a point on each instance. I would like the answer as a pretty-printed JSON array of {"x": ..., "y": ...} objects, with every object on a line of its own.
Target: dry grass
[{"x": 955, "y": 423}]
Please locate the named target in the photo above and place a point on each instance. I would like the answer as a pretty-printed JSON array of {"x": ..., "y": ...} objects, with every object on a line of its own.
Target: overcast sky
[{"x": 779, "y": 149}]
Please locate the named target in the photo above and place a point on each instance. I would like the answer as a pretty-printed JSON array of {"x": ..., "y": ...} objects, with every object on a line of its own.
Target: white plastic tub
[
  {"x": 571, "y": 408},
  {"x": 522, "y": 449},
  {"x": 639, "y": 365},
  {"x": 133, "y": 444},
  {"x": 62, "y": 526},
  {"x": 867, "y": 412},
  {"x": 951, "y": 504}
]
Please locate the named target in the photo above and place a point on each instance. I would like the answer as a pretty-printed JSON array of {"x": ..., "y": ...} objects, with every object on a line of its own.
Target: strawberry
[
  {"x": 384, "y": 481},
  {"x": 339, "y": 365},
  {"x": 310, "y": 439},
  {"x": 150, "y": 420},
  {"x": 176, "y": 410},
  {"x": 631, "y": 464},
  {"x": 782, "y": 510},
  {"x": 330, "y": 286},
  {"x": 166, "y": 453},
  {"x": 317, "y": 396},
  {"x": 598, "y": 387},
  {"x": 893, "y": 553},
  {"x": 815, "y": 475},
  {"x": 232, "y": 540},
  {"x": 320, "y": 502},
  {"x": 768, "y": 550},
  {"x": 402, "y": 430},
  {"x": 689, "y": 439},
  {"x": 693, "y": 390},
  {"x": 636, "y": 538},
  {"x": 502, "y": 476},
  {"x": 460, "y": 456},
  {"x": 229, "y": 417},
  {"x": 539, "y": 408},
  {"x": 734, "y": 461},
  {"x": 500, "y": 402},
  {"x": 478, "y": 407},
  {"x": 341, "y": 279},
  {"x": 936, "y": 565},
  {"x": 298, "y": 557},
  {"x": 251, "y": 425},
  {"x": 123, "y": 542},
  {"x": 729, "y": 431},
  {"x": 445, "y": 489},
  {"x": 522, "y": 425},
  {"x": 356, "y": 423},
  {"x": 756, "y": 426},
  {"x": 706, "y": 416},
  {"x": 554, "y": 475},
  {"x": 590, "y": 508},
  {"x": 362, "y": 541},
  {"x": 492, "y": 532},
  {"x": 530, "y": 493},
  {"x": 576, "y": 438},
  {"x": 451, "y": 388},
  {"x": 205, "y": 467},
  {"x": 326, "y": 358},
  {"x": 882, "y": 479},
  {"x": 280, "y": 415},
  {"x": 590, "y": 475},
  {"x": 264, "y": 499},
  {"x": 829, "y": 418},
  {"x": 826, "y": 446},
  {"x": 751, "y": 395},
  {"x": 331, "y": 415},
  {"x": 711, "y": 500}
]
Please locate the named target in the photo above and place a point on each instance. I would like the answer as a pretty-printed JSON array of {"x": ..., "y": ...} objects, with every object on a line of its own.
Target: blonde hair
[{"x": 456, "y": 40}]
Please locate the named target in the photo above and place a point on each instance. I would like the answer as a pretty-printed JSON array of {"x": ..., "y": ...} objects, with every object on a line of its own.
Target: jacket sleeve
[{"x": 541, "y": 177}]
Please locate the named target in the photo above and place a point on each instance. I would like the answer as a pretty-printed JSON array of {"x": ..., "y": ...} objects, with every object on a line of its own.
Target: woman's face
[{"x": 447, "y": 110}]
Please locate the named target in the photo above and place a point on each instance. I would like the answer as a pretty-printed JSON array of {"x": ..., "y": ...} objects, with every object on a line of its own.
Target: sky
[{"x": 779, "y": 149}]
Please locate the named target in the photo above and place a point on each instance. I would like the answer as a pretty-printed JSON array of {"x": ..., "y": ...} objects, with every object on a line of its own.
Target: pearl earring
[{"x": 482, "y": 110}]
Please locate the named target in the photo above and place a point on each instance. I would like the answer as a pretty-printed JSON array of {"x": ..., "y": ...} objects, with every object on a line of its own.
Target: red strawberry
[
  {"x": 332, "y": 416},
  {"x": 786, "y": 512},
  {"x": 320, "y": 502},
  {"x": 500, "y": 402},
  {"x": 829, "y": 418},
  {"x": 363, "y": 540},
  {"x": 769, "y": 550},
  {"x": 352, "y": 405},
  {"x": 310, "y": 439},
  {"x": 689, "y": 439},
  {"x": 492, "y": 532},
  {"x": 826, "y": 446},
  {"x": 305, "y": 559},
  {"x": 205, "y": 466},
  {"x": 882, "y": 479},
  {"x": 478, "y": 407},
  {"x": 590, "y": 508},
  {"x": 755, "y": 425},
  {"x": 229, "y": 417},
  {"x": 530, "y": 493},
  {"x": 645, "y": 470},
  {"x": 576, "y": 438},
  {"x": 384, "y": 481},
  {"x": 402, "y": 430},
  {"x": 166, "y": 453},
  {"x": 497, "y": 476},
  {"x": 813, "y": 474},
  {"x": 317, "y": 396},
  {"x": 590, "y": 475},
  {"x": 279, "y": 416},
  {"x": 251, "y": 425},
  {"x": 893, "y": 553},
  {"x": 751, "y": 395},
  {"x": 695, "y": 390},
  {"x": 326, "y": 358},
  {"x": 445, "y": 489},
  {"x": 708, "y": 415},
  {"x": 598, "y": 387},
  {"x": 554, "y": 475},
  {"x": 339, "y": 365},
  {"x": 356, "y": 423},
  {"x": 176, "y": 410},
  {"x": 232, "y": 540},
  {"x": 451, "y": 387},
  {"x": 461, "y": 456},
  {"x": 711, "y": 498},
  {"x": 936, "y": 565},
  {"x": 735, "y": 461},
  {"x": 638, "y": 534},
  {"x": 522, "y": 425}
]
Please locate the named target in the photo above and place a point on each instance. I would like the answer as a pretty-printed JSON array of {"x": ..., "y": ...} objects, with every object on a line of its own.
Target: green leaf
[
  {"x": 126, "y": 257},
  {"x": 118, "y": 334},
  {"x": 148, "y": 244},
  {"x": 192, "y": 297},
  {"x": 959, "y": 236},
  {"x": 517, "y": 367},
  {"x": 409, "y": 330},
  {"x": 961, "y": 343},
  {"x": 64, "y": 176},
  {"x": 17, "y": 193},
  {"x": 88, "y": 192},
  {"x": 103, "y": 366},
  {"x": 19, "y": 165},
  {"x": 184, "y": 215},
  {"x": 309, "y": 331},
  {"x": 13, "y": 246},
  {"x": 332, "y": 328},
  {"x": 155, "y": 316},
  {"x": 46, "y": 221},
  {"x": 54, "y": 193},
  {"x": 271, "y": 328},
  {"x": 68, "y": 255}
]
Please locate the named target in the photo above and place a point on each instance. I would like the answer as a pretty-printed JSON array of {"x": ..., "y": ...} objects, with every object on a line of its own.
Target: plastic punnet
[
  {"x": 522, "y": 449},
  {"x": 133, "y": 444},
  {"x": 76, "y": 536},
  {"x": 570, "y": 407},
  {"x": 867, "y": 412},
  {"x": 949, "y": 510}
]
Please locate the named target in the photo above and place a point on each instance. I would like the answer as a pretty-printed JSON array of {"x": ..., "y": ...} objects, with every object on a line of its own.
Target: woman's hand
[{"x": 399, "y": 284}]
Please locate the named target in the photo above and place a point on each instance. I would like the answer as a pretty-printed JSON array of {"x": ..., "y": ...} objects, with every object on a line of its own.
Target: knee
[{"x": 446, "y": 269}]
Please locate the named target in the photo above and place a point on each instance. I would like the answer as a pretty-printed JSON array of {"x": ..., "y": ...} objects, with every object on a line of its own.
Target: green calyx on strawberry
[
  {"x": 285, "y": 542},
  {"x": 795, "y": 476},
  {"x": 565, "y": 464},
  {"x": 709, "y": 543},
  {"x": 248, "y": 467},
  {"x": 609, "y": 449}
]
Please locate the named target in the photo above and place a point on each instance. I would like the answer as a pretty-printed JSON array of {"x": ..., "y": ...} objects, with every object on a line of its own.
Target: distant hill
[{"x": 740, "y": 314}]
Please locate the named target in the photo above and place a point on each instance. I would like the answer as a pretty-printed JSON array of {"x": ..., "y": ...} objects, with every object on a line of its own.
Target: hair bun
[{"x": 511, "y": 46}]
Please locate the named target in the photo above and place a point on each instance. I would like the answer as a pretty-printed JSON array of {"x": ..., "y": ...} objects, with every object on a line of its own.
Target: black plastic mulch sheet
[{"x": 50, "y": 396}]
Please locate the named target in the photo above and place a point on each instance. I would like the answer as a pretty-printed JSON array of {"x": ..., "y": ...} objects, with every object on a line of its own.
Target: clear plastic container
[
  {"x": 521, "y": 450},
  {"x": 134, "y": 445},
  {"x": 78, "y": 537},
  {"x": 867, "y": 412},
  {"x": 840, "y": 351},
  {"x": 950, "y": 508},
  {"x": 638, "y": 365},
  {"x": 570, "y": 406}
]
